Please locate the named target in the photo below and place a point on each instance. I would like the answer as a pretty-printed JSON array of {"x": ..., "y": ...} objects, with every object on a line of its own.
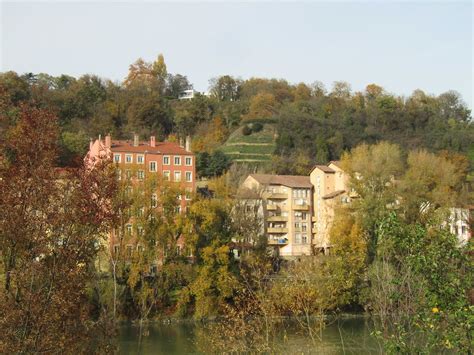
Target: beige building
[
  {"x": 286, "y": 211},
  {"x": 298, "y": 211},
  {"x": 330, "y": 191}
]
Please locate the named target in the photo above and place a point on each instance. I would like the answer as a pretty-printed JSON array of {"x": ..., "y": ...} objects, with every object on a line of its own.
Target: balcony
[
  {"x": 279, "y": 241},
  {"x": 278, "y": 230},
  {"x": 277, "y": 219},
  {"x": 277, "y": 196},
  {"x": 301, "y": 207},
  {"x": 313, "y": 219},
  {"x": 271, "y": 207}
]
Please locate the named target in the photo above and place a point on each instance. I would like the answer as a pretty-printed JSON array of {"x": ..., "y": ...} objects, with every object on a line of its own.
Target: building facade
[
  {"x": 138, "y": 162},
  {"x": 286, "y": 211}
]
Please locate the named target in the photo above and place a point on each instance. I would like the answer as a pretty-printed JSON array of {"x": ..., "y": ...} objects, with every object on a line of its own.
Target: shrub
[
  {"x": 257, "y": 127},
  {"x": 246, "y": 131}
]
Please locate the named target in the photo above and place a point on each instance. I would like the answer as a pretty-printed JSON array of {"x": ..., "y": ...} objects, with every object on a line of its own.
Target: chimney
[
  {"x": 91, "y": 143},
  {"x": 135, "y": 140},
  {"x": 152, "y": 141},
  {"x": 181, "y": 143},
  {"x": 188, "y": 143},
  {"x": 108, "y": 141}
]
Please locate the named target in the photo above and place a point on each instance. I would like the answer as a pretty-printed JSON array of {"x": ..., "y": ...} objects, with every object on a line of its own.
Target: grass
[{"x": 256, "y": 147}]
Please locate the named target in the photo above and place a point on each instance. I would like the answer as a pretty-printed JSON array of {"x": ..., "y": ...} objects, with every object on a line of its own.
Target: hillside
[{"x": 253, "y": 148}]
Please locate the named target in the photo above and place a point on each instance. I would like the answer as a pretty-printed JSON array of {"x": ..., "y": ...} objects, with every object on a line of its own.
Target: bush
[
  {"x": 257, "y": 127},
  {"x": 246, "y": 131}
]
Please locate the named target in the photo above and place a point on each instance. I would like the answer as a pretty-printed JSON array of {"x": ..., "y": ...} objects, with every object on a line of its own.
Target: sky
[{"x": 401, "y": 46}]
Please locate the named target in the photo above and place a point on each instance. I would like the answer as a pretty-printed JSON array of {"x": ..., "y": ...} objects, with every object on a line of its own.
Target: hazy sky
[{"x": 401, "y": 46}]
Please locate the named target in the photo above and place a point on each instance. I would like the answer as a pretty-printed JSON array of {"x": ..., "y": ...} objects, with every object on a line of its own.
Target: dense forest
[{"x": 311, "y": 124}]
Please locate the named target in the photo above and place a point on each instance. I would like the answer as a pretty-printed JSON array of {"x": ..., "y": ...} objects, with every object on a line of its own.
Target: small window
[
  {"x": 140, "y": 212},
  {"x": 188, "y": 161},
  {"x": 140, "y": 248},
  {"x": 140, "y": 159},
  {"x": 129, "y": 230},
  {"x": 304, "y": 239},
  {"x": 177, "y": 176},
  {"x": 129, "y": 250},
  {"x": 116, "y": 249},
  {"x": 177, "y": 160},
  {"x": 177, "y": 209},
  {"x": 153, "y": 166},
  {"x": 117, "y": 158},
  {"x": 166, "y": 160},
  {"x": 189, "y": 176},
  {"x": 119, "y": 174},
  {"x": 166, "y": 175},
  {"x": 128, "y": 158},
  {"x": 140, "y": 174},
  {"x": 140, "y": 231},
  {"x": 154, "y": 200}
]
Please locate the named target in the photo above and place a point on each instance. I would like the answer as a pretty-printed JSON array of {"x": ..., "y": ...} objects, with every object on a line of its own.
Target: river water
[{"x": 342, "y": 336}]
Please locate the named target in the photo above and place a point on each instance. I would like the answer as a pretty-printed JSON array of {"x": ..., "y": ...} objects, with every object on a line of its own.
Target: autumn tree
[{"x": 51, "y": 227}]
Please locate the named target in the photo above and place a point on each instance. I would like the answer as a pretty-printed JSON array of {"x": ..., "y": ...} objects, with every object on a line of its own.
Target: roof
[
  {"x": 324, "y": 168},
  {"x": 336, "y": 163},
  {"x": 285, "y": 180},
  {"x": 144, "y": 147},
  {"x": 333, "y": 194}
]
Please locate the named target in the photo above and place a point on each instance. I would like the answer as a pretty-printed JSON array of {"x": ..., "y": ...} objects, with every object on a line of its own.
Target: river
[{"x": 342, "y": 336}]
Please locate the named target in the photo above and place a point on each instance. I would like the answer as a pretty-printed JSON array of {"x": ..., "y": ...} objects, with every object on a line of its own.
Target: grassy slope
[{"x": 257, "y": 147}]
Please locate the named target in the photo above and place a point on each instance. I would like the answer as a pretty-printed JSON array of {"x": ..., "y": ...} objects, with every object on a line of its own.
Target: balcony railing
[
  {"x": 271, "y": 207},
  {"x": 276, "y": 196},
  {"x": 282, "y": 230},
  {"x": 277, "y": 219},
  {"x": 279, "y": 241}
]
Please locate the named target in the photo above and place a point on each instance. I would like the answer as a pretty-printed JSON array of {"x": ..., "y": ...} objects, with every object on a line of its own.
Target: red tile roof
[{"x": 144, "y": 147}]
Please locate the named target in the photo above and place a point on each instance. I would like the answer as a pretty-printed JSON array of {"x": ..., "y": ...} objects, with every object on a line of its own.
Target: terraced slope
[{"x": 254, "y": 148}]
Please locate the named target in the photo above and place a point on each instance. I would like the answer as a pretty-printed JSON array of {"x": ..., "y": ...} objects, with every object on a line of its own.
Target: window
[
  {"x": 140, "y": 230},
  {"x": 129, "y": 230},
  {"x": 128, "y": 191},
  {"x": 166, "y": 175},
  {"x": 177, "y": 160},
  {"x": 304, "y": 227},
  {"x": 128, "y": 158},
  {"x": 140, "y": 211},
  {"x": 117, "y": 158},
  {"x": 188, "y": 192},
  {"x": 153, "y": 166},
  {"x": 188, "y": 161},
  {"x": 304, "y": 239},
  {"x": 140, "y": 159},
  {"x": 297, "y": 225},
  {"x": 177, "y": 209},
  {"x": 189, "y": 176},
  {"x": 178, "y": 250},
  {"x": 140, "y": 174},
  {"x": 298, "y": 238},
  {"x": 154, "y": 200},
  {"x": 177, "y": 176},
  {"x": 129, "y": 250},
  {"x": 128, "y": 174},
  {"x": 166, "y": 160},
  {"x": 140, "y": 248},
  {"x": 116, "y": 249},
  {"x": 119, "y": 174}
]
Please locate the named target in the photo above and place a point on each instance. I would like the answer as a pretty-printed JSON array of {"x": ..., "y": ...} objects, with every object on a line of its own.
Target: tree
[
  {"x": 50, "y": 232},
  {"x": 224, "y": 88},
  {"x": 373, "y": 171},
  {"x": 263, "y": 105}
]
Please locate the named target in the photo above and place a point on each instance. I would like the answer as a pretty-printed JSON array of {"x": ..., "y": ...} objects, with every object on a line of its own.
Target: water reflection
[{"x": 343, "y": 336}]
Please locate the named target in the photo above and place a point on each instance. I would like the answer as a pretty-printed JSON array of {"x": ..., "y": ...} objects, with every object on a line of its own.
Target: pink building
[{"x": 138, "y": 160}]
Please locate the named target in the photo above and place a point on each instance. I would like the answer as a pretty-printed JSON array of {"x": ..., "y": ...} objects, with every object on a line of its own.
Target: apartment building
[
  {"x": 287, "y": 211},
  {"x": 141, "y": 160},
  {"x": 331, "y": 189}
]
